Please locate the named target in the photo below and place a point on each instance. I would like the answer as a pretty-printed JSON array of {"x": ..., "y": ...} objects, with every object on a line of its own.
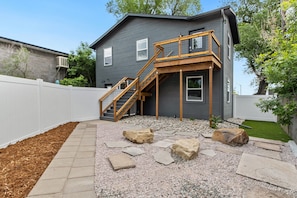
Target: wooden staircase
[{"x": 119, "y": 105}]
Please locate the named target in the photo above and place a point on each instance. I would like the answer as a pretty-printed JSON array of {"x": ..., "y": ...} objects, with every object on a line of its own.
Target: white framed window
[
  {"x": 107, "y": 56},
  {"x": 142, "y": 49},
  {"x": 196, "y": 43},
  {"x": 194, "y": 88},
  {"x": 228, "y": 91},
  {"x": 229, "y": 46}
]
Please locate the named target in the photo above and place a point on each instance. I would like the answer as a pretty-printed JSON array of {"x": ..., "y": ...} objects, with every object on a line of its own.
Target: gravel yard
[{"x": 203, "y": 176}]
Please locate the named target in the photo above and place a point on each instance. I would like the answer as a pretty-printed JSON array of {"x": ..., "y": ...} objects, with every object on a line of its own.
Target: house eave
[
  {"x": 31, "y": 46},
  {"x": 227, "y": 10}
]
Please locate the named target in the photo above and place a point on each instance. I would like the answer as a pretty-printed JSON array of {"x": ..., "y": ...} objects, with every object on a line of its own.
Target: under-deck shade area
[{"x": 195, "y": 52}]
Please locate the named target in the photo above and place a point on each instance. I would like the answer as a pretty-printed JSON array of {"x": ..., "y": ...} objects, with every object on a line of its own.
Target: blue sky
[{"x": 62, "y": 24}]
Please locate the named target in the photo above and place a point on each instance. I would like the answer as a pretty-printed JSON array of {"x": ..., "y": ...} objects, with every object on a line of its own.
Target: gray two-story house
[{"x": 168, "y": 65}]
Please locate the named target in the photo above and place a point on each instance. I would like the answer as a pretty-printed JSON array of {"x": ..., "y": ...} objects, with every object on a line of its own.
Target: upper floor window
[
  {"x": 194, "y": 88},
  {"x": 229, "y": 46},
  {"x": 108, "y": 56},
  {"x": 228, "y": 91},
  {"x": 198, "y": 43},
  {"x": 142, "y": 49}
]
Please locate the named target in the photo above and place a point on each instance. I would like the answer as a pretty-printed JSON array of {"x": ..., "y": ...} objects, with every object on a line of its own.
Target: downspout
[{"x": 223, "y": 61}]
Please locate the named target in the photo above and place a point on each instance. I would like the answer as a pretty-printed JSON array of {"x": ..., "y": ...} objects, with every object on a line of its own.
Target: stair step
[{"x": 107, "y": 118}]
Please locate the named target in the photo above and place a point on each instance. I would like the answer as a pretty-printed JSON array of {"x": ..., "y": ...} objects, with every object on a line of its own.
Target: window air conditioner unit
[{"x": 62, "y": 62}]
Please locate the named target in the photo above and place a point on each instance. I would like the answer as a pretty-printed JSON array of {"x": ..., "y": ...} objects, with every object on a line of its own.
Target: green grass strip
[{"x": 267, "y": 130}]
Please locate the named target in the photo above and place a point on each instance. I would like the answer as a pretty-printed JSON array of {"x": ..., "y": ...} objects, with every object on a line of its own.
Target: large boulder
[
  {"x": 139, "y": 136},
  {"x": 186, "y": 148},
  {"x": 231, "y": 136}
]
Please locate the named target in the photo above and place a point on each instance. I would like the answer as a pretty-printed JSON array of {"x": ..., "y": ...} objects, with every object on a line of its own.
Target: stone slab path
[
  {"x": 272, "y": 171},
  {"x": 71, "y": 173},
  {"x": 268, "y": 146}
]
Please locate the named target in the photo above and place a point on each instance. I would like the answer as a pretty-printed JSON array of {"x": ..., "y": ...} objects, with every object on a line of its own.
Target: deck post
[
  {"x": 141, "y": 106},
  {"x": 157, "y": 95},
  {"x": 181, "y": 95},
  {"x": 210, "y": 93}
]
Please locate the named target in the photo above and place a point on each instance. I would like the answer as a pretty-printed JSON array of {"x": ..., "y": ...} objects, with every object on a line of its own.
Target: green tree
[
  {"x": 280, "y": 67},
  {"x": 82, "y": 64},
  {"x": 258, "y": 20},
  {"x": 17, "y": 63},
  {"x": 167, "y": 7}
]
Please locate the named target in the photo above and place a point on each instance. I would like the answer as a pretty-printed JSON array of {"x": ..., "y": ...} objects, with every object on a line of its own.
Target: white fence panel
[
  {"x": 30, "y": 107},
  {"x": 85, "y": 103},
  {"x": 18, "y": 99},
  {"x": 245, "y": 108},
  {"x": 54, "y": 104}
]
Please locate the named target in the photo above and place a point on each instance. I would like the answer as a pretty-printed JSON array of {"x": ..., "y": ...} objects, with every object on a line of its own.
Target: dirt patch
[{"x": 22, "y": 164}]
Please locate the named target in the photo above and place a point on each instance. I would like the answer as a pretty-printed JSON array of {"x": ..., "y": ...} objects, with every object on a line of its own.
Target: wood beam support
[
  {"x": 210, "y": 76},
  {"x": 157, "y": 95},
  {"x": 181, "y": 95}
]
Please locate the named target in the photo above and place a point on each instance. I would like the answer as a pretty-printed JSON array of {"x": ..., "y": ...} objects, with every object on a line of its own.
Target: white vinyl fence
[
  {"x": 245, "y": 108},
  {"x": 29, "y": 107}
]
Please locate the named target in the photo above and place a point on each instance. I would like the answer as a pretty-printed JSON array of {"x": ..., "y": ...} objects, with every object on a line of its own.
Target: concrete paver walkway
[{"x": 72, "y": 172}]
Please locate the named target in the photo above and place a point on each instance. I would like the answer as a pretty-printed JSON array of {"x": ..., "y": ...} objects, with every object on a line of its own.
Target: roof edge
[{"x": 36, "y": 47}]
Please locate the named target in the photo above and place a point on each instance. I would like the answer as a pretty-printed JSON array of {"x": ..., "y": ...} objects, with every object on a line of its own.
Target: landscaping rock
[
  {"x": 139, "y": 136},
  {"x": 163, "y": 157},
  {"x": 186, "y": 148},
  {"x": 121, "y": 161},
  {"x": 134, "y": 151},
  {"x": 231, "y": 136}
]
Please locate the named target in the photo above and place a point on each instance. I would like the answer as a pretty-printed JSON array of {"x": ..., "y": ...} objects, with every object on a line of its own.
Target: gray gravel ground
[{"x": 203, "y": 176}]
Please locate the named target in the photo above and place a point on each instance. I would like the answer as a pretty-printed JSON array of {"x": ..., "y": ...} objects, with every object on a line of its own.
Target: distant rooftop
[{"x": 31, "y": 46}]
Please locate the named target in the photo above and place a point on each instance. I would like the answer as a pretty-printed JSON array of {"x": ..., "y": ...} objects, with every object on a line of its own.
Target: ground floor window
[{"x": 194, "y": 88}]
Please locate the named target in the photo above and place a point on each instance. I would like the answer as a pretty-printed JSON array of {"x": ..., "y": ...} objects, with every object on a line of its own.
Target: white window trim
[
  {"x": 137, "y": 49},
  {"x": 229, "y": 46},
  {"x": 106, "y": 56},
  {"x": 228, "y": 88},
  {"x": 188, "y": 77}
]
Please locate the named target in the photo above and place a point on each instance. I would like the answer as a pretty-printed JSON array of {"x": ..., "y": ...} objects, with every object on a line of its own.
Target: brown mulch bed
[{"x": 22, "y": 164}]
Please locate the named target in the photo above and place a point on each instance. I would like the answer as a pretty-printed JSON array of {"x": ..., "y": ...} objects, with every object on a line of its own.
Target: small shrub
[{"x": 215, "y": 120}]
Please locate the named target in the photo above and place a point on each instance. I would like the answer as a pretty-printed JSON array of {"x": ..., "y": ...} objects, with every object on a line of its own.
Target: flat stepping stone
[
  {"x": 268, "y": 146},
  {"x": 266, "y": 140},
  {"x": 268, "y": 170},
  {"x": 163, "y": 132},
  {"x": 121, "y": 161},
  {"x": 186, "y": 133},
  {"x": 208, "y": 152},
  {"x": 117, "y": 144},
  {"x": 229, "y": 150},
  {"x": 163, "y": 143},
  {"x": 293, "y": 147},
  {"x": 260, "y": 192},
  {"x": 207, "y": 135},
  {"x": 268, "y": 153},
  {"x": 163, "y": 157},
  {"x": 133, "y": 151}
]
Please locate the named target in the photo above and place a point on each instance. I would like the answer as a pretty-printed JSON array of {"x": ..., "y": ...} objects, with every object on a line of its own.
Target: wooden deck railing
[
  {"x": 158, "y": 50},
  {"x": 117, "y": 114},
  {"x": 179, "y": 48},
  {"x": 111, "y": 91}
]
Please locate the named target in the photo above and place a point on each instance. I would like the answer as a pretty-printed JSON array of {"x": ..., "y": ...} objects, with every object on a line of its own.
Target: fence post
[{"x": 40, "y": 82}]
